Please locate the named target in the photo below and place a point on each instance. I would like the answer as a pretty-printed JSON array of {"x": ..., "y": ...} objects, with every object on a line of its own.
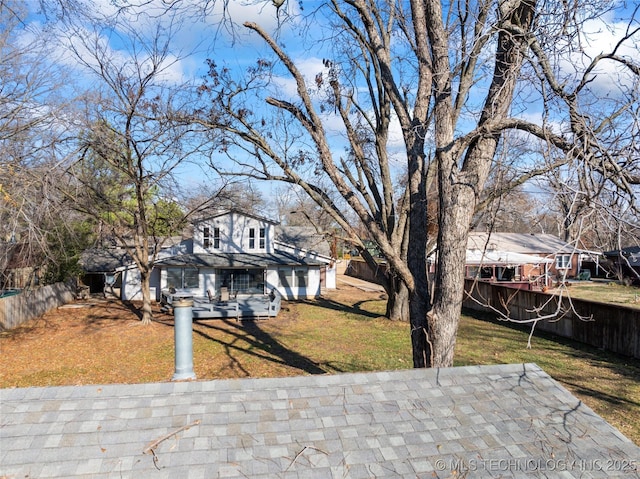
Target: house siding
[
  {"x": 206, "y": 280},
  {"x": 234, "y": 231},
  {"x": 291, "y": 289},
  {"x": 132, "y": 285},
  {"x": 570, "y": 272}
]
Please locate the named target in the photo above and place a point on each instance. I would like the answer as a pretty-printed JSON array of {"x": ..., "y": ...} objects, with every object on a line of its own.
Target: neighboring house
[
  {"x": 520, "y": 270},
  {"x": 525, "y": 260},
  {"x": 626, "y": 262},
  {"x": 242, "y": 254},
  {"x": 101, "y": 268},
  {"x": 548, "y": 256}
]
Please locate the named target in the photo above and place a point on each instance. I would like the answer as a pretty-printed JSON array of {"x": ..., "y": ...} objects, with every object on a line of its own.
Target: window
[
  {"x": 296, "y": 278},
  {"x": 301, "y": 278},
  {"x": 252, "y": 238},
  {"x": 207, "y": 238},
  {"x": 250, "y": 281},
  {"x": 284, "y": 277},
  {"x": 174, "y": 278},
  {"x": 216, "y": 238},
  {"x": 190, "y": 278},
  {"x": 241, "y": 281},
  {"x": 563, "y": 261},
  {"x": 262, "y": 238},
  {"x": 183, "y": 278}
]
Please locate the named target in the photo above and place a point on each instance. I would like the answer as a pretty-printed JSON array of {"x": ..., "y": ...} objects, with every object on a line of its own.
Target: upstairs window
[
  {"x": 207, "y": 237},
  {"x": 262, "y": 238},
  {"x": 252, "y": 238},
  {"x": 216, "y": 238}
]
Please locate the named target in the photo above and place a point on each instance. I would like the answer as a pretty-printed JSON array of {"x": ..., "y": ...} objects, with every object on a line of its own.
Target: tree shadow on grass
[
  {"x": 603, "y": 396},
  {"x": 622, "y": 365},
  {"x": 355, "y": 308},
  {"x": 93, "y": 315},
  {"x": 39, "y": 325},
  {"x": 110, "y": 312},
  {"x": 250, "y": 339},
  {"x": 136, "y": 310}
]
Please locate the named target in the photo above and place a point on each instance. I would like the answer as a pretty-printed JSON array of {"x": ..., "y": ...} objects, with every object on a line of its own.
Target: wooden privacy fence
[
  {"x": 611, "y": 327},
  {"x": 359, "y": 269},
  {"x": 30, "y": 304}
]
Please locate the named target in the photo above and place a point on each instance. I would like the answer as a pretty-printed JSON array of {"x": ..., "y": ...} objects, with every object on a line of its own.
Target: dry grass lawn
[
  {"x": 99, "y": 342},
  {"x": 605, "y": 292}
]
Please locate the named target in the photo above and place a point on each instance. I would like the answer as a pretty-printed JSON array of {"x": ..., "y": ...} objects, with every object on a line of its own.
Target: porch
[{"x": 243, "y": 306}]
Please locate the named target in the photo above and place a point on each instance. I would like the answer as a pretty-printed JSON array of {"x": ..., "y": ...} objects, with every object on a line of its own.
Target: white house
[{"x": 244, "y": 253}]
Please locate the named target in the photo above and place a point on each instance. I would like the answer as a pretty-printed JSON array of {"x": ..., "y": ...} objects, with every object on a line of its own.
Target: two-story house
[{"x": 243, "y": 254}]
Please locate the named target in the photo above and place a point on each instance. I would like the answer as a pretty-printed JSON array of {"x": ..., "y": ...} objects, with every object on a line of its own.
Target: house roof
[
  {"x": 113, "y": 259},
  {"x": 492, "y": 421},
  {"x": 519, "y": 243},
  {"x": 107, "y": 260},
  {"x": 238, "y": 260},
  {"x": 503, "y": 258},
  {"x": 303, "y": 237},
  {"x": 631, "y": 254}
]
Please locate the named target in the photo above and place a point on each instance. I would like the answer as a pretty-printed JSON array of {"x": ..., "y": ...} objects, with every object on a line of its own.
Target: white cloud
[{"x": 600, "y": 36}]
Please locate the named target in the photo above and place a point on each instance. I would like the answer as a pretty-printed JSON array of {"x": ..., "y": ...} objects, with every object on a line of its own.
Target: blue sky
[
  {"x": 195, "y": 39},
  {"x": 201, "y": 37}
]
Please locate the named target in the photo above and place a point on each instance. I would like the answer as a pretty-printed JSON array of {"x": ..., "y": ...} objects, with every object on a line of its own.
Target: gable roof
[
  {"x": 236, "y": 211},
  {"x": 510, "y": 420},
  {"x": 519, "y": 243}
]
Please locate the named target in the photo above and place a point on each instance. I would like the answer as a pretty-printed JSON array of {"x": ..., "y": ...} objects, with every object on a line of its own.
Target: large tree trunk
[
  {"x": 398, "y": 300},
  {"x": 147, "y": 314},
  {"x": 460, "y": 186},
  {"x": 419, "y": 300},
  {"x": 457, "y": 205}
]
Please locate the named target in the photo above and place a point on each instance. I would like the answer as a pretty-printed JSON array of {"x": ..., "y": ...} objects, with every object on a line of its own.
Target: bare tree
[
  {"x": 588, "y": 210},
  {"x": 31, "y": 104},
  {"x": 455, "y": 77},
  {"x": 131, "y": 149}
]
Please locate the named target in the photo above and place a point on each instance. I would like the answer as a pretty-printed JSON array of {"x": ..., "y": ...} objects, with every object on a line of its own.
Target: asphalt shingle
[{"x": 489, "y": 421}]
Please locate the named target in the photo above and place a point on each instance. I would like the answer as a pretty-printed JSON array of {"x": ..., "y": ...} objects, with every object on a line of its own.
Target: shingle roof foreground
[{"x": 487, "y": 421}]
